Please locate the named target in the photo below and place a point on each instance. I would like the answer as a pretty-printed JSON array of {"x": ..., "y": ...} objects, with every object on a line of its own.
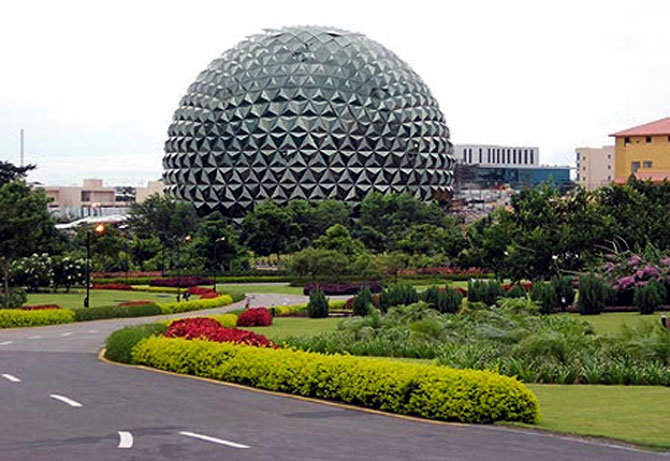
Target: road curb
[{"x": 102, "y": 358}]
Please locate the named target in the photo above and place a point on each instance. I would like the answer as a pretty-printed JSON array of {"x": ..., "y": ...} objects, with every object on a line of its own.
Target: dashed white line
[
  {"x": 34, "y": 337},
  {"x": 207, "y": 438},
  {"x": 6, "y": 343},
  {"x": 11, "y": 378},
  {"x": 64, "y": 399},
  {"x": 125, "y": 439},
  {"x": 92, "y": 331},
  {"x": 67, "y": 333}
]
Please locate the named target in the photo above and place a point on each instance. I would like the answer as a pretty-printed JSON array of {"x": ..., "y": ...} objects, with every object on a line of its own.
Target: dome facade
[{"x": 310, "y": 113}]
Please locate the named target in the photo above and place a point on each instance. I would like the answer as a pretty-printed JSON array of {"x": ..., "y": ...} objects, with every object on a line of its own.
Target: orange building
[{"x": 643, "y": 151}]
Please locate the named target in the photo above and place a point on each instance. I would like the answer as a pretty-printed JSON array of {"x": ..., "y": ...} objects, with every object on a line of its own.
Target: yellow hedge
[
  {"x": 151, "y": 289},
  {"x": 195, "y": 305},
  {"x": 13, "y": 318},
  {"x": 427, "y": 391}
]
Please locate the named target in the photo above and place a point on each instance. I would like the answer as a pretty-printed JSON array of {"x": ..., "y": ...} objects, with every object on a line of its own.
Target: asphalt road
[{"x": 59, "y": 402}]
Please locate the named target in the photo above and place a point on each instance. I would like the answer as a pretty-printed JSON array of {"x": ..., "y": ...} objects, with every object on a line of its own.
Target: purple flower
[
  {"x": 634, "y": 260},
  {"x": 665, "y": 261},
  {"x": 626, "y": 282},
  {"x": 639, "y": 274},
  {"x": 650, "y": 271}
]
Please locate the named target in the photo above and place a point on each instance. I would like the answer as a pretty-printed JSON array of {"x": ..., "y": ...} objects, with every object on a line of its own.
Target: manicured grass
[
  {"x": 233, "y": 288},
  {"x": 612, "y": 322},
  {"x": 636, "y": 414},
  {"x": 283, "y": 327},
  {"x": 75, "y": 300}
]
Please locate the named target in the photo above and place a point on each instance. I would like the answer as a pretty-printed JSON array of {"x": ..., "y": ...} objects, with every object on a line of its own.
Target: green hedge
[
  {"x": 111, "y": 312},
  {"x": 120, "y": 343},
  {"x": 14, "y": 318},
  {"x": 427, "y": 391},
  {"x": 195, "y": 305}
]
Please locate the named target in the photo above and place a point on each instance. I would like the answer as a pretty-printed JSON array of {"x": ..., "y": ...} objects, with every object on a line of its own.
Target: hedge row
[
  {"x": 281, "y": 311},
  {"x": 112, "y": 312},
  {"x": 15, "y": 318},
  {"x": 195, "y": 305},
  {"x": 427, "y": 391}
]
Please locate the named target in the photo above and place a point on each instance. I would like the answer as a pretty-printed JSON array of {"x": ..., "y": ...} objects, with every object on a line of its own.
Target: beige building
[
  {"x": 93, "y": 198},
  {"x": 595, "y": 166}
]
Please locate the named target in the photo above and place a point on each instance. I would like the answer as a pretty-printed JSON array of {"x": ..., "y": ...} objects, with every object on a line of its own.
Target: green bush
[
  {"x": 565, "y": 292},
  {"x": 397, "y": 295},
  {"x": 195, "y": 305},
  {"x": 517, "y": 291},
  {"x": 445, "y": 300},
  {"x": 593, "y": 294},
  {"x": 226, "y": 320},
  {"x": 648, "y": 297},
  {"x": 121, "y": 342},
  {"x": 111, "y": 312},
  {"x": 17, "y": 298},
  {"x": 545, "y": 295},
  {"x": 317, "y": 307},
  {"x": 14, "y": 318},
  {"x": 485, "y": 291},
  {"x": 363, "y": 302},
  {"x": 412, "y": 389}
]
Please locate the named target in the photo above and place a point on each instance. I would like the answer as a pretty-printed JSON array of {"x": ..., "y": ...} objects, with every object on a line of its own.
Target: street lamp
[
  {"x": 99, "y": 229},
  {"x": 186, "y": 239},
  {"x": 216, "y": 244}
]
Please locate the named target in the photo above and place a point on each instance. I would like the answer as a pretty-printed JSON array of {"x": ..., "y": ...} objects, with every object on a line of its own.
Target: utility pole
[{"x": 21, "y": 147}]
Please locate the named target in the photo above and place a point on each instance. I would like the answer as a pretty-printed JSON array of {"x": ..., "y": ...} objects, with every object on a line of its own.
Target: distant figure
[
  {"x": 187, "y": 295},
  {"x": 665, "y": 322},
  {"x": 246, "y": 305}
]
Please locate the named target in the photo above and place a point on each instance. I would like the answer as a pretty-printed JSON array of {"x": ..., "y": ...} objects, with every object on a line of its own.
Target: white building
[
  {"x": 595, "y": 166},
  {"x": 490, "y": 155}
]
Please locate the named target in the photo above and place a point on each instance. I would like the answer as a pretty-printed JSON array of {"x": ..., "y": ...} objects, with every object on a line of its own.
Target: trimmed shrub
[
  {"x": 255, "y": 317},
  {"x": 17, "y": 298},
  {"x": 14, "y": 318},
  {"x": 565, "y": 292},
  {"x": 110, "y": 312},
  {"x": 40, "y": 307},
  {"x": 413, "y": 389},
  {"x": 194, "y": 305},
  {"x": 363, "y": 302},
  {"x": 648, "y": 297},
  {"x": 449, "y": 301},
  {"x": 484, "y": 291},
  {"x": 226, "y": 320},
  {"x": 210, "y": 329},
  {"x": 111, "y": 286},
  {"x": 516, "y": 291},
  {"x": 150, "y": 289},
  {"x": 545, "y": 295},
  {"x": 397, "y": 295},
  {"x": 317, "y": 307},
  {"x": 140, "y": 302},
  {"x": 183, "y": 282},
  {"x": 593, "y": 294},
  {"x": 341, "y": 288},
  {"x": 121, "y": 342}
]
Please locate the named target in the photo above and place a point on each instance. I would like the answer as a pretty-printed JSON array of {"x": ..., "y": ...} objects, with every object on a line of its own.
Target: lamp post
[
  {"x": 186, "y": 239},
  {"x": 216, "y": 244},
  {"x": 99, "y": 229}
]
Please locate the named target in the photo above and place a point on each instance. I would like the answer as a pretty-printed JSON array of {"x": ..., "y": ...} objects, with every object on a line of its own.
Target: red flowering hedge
[
  {"x": 255, "y": 317},
  {"x": 203, "y": 292},
  {"x": 210, "y": 295},
  {"x": 525, "y": 285},
  {"x": 136, "y": 303},
  {"x": 40, "y": 307},
  {"x": 207, "y": 328},
  {"x": 111, "y": 286},
  {"x": 184, "y": 282}
]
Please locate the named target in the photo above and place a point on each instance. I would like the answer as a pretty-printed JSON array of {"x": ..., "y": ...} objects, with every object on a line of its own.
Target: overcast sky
[{"x": 94, "y": 84}]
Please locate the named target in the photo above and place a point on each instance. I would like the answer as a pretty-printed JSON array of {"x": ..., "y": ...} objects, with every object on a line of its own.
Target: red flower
[
  {"x": 40, "y": 307},
  {"x": 256, "y": 317},
  {"x": 206, "y": 328},
  {"x": 135, "y": 303}
]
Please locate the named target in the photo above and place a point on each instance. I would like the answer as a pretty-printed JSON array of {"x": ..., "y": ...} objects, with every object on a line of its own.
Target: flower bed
[
  {"x": 183, "y": 282},
  {"x": 210, "y": 329},
  {"x": 255, "y": 317},
  {"x": 14, "y": 318},
  {"x": 194, "y": 305},
  {"x": 342, "y": 288},
  {"x": 471, "y": 271},
  {"x": 40, "y": 307},
  {"x": 111, "y": 286},
  {"x": 130, "y": 274},
  {"x": 136, "y": 303}
]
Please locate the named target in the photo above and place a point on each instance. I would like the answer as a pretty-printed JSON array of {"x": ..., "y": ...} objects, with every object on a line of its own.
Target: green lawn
[
  {"x": 75, "y": 300},
  {"x": 233, "y": 288},
  {"x": 636, "y": 414},
  {"x": 283, "y": 327},
  {"x": 612, "y": 322}
]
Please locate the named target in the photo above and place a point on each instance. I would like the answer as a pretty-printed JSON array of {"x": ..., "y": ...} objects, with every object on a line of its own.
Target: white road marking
[
  {"x": 11, "y": 378},
  {"x": 92, "y": 331},
  {"x": 125, "y": 439},
  {"x": 213, "y": 439},
  {"x": 6, "y": 343},
  {"x": 34, "y": 337},
  {"x": 64, "y": 399},
  {"x": 68, "y": 333}
]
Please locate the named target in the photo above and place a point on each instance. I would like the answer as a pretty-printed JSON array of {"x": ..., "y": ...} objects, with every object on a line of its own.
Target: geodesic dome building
[{"x": 310, "y": 113}]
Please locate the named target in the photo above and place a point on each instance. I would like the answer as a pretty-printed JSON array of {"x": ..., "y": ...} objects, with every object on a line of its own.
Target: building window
[
  {"x": 635, "y": 166},
  {"x": 646, "y": 164},
  {"x": 480, "y": 155},
  {"x": 577, "y": 156},
  {"x": 609, "y": 167},
  {"x": 609, "y": 178},
  {"x": 469, "y": 155},
  {"x": 531, "y": 157},
  {"x": 86, "y": 196},
  {"x": 525, "y": 157},
  {"x": 648, "y": 139},
  {"x": 626, "y": 140}
]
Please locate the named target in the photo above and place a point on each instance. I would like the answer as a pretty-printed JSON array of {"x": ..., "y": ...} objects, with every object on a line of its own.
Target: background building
[
  {"x": 306, "y": 113},
  {"x": 92, "y": 198},
  {"x": 490, "y": 155},
  {"x": 643, "y": 151},
  {"x": 595, "y": 166}
]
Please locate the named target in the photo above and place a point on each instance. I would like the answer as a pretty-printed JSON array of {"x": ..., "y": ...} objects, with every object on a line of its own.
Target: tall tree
[
  {"x": 10, "y": 172},
  {"x": 268, "y": 229},
  {"x": 24, "y": 222}
]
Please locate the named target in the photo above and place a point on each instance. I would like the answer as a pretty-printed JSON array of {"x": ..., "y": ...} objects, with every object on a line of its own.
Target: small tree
[
  {"x": 565, "y": 292},
  {"x": 317, "y": 307},
  {"x": 545, "y": 295},
  {"x": 363, "y": 302},
  {"x": 648, "y": 297},
  {"x": 593, "y": 294}
]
